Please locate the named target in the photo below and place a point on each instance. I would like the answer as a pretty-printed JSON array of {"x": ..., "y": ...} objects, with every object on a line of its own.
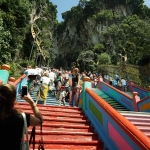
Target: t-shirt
[
  {"x": 52, "y": 75},
  {"x": 75, "y": 79},
  {"x": 45, "y": 80},
  {"x": 123, "y": 82},
  {"x": 11, "y": 132},
  {"x": 39, "y": 70}
]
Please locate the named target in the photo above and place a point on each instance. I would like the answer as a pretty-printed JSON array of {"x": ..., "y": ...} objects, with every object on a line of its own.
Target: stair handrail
[
  {"x": 19, "y": 79},
  {"x": 139, "y": 137}
]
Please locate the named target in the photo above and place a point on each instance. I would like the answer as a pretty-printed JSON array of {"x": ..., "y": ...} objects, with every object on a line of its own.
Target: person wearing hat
[{"x": 62, "y": 96}]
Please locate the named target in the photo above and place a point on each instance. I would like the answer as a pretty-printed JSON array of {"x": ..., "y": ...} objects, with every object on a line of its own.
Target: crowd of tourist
[{"x": 66, "y": 84}]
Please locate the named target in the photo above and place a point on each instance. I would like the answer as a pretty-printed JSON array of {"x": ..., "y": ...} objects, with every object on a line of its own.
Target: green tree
[
  {"x": 104, "y": 59},
  {"x": 5, "y": 38},
  {"x": 131, "y": 38},
  {"x": 99, "y": 48}
]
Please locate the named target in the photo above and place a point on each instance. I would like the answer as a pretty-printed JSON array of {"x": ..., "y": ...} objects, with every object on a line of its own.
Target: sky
[{"x": 65, "y": 5}]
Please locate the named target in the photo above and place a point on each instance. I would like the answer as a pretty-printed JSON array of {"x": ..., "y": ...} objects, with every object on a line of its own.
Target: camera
[{"x": 24, "y": 91}]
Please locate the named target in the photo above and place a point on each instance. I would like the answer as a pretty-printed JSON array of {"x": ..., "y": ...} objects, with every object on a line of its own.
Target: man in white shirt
[
  {"x": 52, "y": 77},
  {"x": 123, "y": 84}
]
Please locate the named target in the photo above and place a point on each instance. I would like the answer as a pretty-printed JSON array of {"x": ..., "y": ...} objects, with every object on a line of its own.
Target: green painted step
[
  {"x": 109, "y": 100},
  {"x": 104, "y": 96}
]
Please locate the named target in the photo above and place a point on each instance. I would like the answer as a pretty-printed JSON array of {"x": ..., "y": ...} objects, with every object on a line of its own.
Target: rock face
[{"x": 89, "y": 33}]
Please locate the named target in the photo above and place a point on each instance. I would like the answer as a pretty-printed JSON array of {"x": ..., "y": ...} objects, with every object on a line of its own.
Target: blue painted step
[{"x": 51, "y": 100}]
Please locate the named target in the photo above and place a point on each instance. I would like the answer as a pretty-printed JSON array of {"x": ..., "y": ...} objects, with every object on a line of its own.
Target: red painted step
[
  {"x": 71, "y": 146},
  {"x": 48, "y": 106},
  {"x": 47, "y": 109},
  {"x": 71, "y": 114},
  {"x": 48, "y": 138},
  {"x": 64, "y": 128}
]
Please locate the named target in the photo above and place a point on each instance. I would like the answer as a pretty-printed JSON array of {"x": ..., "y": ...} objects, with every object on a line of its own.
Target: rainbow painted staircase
[
  {"x": 65, "y": 128},
  {"x": 106, "y": 113}
]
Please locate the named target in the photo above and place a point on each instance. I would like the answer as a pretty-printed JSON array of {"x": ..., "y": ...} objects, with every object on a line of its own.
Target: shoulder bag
[
  {"x": 41, "y": 144},
  {"x": 24, "y": 144}
]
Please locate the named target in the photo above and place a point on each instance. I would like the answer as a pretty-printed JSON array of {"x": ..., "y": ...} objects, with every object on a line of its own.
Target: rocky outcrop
[{"x": 89, "y": 33}]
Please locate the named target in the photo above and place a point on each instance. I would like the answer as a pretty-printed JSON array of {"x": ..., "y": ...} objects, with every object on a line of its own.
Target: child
[
  {"x": 67, "y": 88},
  {"x": 62, "y": 96}
]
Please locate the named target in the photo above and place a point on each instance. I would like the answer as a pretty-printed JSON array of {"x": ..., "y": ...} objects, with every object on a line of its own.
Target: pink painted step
[
  {"x": 138, "y": 123},
  {"x": 140, "y": 120},
  {"x": 136, "y": 116},
  {"x": 147, "y": 120}
]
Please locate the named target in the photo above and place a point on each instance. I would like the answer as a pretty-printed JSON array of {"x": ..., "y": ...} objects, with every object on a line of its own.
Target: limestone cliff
[{"x": 90, "y": 32}]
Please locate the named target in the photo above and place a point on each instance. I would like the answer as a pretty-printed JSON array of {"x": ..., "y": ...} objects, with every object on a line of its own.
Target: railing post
[
  {"x": 87, "y": 83},
  {"x": 135, "y": 99}
]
